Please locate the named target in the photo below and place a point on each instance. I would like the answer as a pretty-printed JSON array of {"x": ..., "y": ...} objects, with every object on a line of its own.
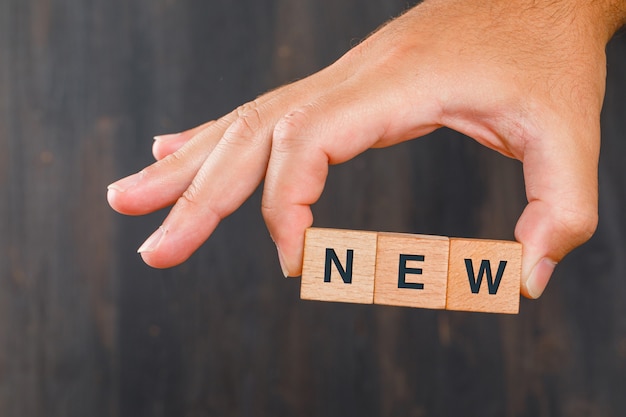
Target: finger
[
  {"x": 160, "y": 184},
  {"x": 330, "y": 130},
  {"x": 561, "y": 186},
  {"x": 229, "y": 175},
  {"x": 232, "y": 170},
  {"x": 165, "y": 145}
]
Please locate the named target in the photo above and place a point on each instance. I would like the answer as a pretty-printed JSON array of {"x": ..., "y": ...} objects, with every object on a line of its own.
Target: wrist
[
  {"x": 600, "y": 19},
  {"x": 608, "y": 16},
  {"x": 596, "y": 19}
]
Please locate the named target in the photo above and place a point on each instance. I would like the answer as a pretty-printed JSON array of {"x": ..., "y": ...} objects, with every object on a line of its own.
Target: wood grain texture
[
  {"x": 484, "y": 276},
  {"x": 411, "y": 270},
  {"x": 339, "y": 265},
  {"x": 58, "y": 284}
]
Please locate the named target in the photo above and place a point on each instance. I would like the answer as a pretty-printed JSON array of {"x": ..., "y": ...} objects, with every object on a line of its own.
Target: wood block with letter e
[
  {"x": 338, "y": 265},
  {"x": 484, "y": 275},
  {"x": 411, "y": 270}
]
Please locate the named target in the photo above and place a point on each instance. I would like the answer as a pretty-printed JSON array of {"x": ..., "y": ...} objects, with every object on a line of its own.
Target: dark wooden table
[{"x": 86, "y": 329}]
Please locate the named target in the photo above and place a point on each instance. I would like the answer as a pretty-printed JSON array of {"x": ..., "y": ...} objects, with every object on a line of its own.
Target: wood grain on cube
[
  {"x": 484, "y": 276},
  {"x": 338, "y": 265},
  {"x": 411, "y": 270}
]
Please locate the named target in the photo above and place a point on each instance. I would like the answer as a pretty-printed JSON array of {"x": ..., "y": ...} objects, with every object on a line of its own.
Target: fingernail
[
  {"x": 153, "y": 242},
  {"x": 539, "y": 277},
  {"x": 169, "y": 136},
  {"x": 126, "y": 183},
  {"x": 281, "y": 260}
]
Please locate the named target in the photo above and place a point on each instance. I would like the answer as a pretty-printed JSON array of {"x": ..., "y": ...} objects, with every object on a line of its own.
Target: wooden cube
[
  {"x": 484, "y": 275},
  {"x": 338, "y": 266},
  {"x": 411, "y": 270}
]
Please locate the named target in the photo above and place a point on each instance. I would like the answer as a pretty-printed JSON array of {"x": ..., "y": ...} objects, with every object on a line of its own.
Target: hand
[{"x": 526, "y": 80}]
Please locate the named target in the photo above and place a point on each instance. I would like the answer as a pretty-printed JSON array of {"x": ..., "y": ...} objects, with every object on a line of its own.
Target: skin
[{"x": 524, "y": 78}]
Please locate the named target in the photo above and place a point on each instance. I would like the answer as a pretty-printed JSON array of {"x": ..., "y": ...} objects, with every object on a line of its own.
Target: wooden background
[{"x": 86, "y": 329}]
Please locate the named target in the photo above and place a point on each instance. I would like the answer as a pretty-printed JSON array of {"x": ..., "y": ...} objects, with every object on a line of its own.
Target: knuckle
[
  {"x": 290, "y": 124},
  {"x": 175, "y": 159},
  {"x": 195, "y": 200},
  {"x": 580, "y": 224},
  {"x": 249, "y": 115},
  {"x": 190, "y": 197},
  {"x": 172, "y": 162},
  {"x": 587, "y": 226},
  {"x": 248, "y": 123},
  {"x": 288, "y": 130}
]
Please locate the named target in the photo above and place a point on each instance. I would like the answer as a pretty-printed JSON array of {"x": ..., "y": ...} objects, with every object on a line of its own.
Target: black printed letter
[
  {"x": 485, "y": 267},
  {"x": 346, "y": 274},
  {"x": 403, "y": 270}
]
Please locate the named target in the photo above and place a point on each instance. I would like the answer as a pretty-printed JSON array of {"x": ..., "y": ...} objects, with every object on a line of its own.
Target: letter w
[
  {"x": 346, "y": 274},
  {"x": 485, "y": 267}
]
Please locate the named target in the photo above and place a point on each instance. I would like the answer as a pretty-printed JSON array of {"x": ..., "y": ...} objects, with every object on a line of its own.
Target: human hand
[{"x": 523, "y": 78}]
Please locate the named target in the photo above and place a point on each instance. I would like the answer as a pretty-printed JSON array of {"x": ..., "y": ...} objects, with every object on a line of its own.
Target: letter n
[{"x": 331, "y": 257}]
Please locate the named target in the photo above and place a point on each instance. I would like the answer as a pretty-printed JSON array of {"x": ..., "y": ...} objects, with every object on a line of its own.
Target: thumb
[{"x": 560, "y": 172}]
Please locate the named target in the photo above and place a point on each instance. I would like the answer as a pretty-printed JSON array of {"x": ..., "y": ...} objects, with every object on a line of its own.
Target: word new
[{"x": 419, "y": 271}]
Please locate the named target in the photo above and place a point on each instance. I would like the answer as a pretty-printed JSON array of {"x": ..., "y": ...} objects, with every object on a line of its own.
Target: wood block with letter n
[
  {"x": 484, "y": 276},
  {"x": 338, "y": 266},
  {"x": 411, "y": 270}
]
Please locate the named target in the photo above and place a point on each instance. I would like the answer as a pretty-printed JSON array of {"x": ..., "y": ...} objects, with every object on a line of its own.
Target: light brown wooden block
[
  {"x": 473, "y": 272},
  {"x": 411, "y": 270},
  {"x": 338, "y": 266}
]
